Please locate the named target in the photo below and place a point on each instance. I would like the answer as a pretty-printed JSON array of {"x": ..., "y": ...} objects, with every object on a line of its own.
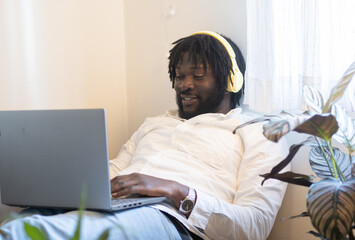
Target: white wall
[
  {"x": 294, "y": 202},
  {"x": 65, "y": 54}
]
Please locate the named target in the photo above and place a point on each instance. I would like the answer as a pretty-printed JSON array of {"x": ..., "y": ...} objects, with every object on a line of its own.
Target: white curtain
[{"x": 292, "y": 43}]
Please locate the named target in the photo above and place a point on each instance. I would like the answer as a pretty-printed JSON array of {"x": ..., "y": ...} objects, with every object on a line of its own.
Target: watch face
[{"x": 187, "y": 205}]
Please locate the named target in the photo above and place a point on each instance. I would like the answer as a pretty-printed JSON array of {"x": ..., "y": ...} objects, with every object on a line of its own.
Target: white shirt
[{"x": 222, "y": 167}]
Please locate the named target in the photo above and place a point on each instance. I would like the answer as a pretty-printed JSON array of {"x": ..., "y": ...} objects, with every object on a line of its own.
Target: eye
[
  {"x": 179, "y": 77},
  {"x": 198, "y": 77}
]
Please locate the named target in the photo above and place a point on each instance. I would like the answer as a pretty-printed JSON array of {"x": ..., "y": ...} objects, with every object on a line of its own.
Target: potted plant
[{"x": 331, "y": 198}]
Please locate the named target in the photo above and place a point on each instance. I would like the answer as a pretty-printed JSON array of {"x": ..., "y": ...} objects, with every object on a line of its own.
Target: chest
[{"x": 213, "y": 145}]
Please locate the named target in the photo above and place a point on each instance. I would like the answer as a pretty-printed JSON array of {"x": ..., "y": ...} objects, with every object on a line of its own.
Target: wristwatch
[{"x": 188, "y": 203}]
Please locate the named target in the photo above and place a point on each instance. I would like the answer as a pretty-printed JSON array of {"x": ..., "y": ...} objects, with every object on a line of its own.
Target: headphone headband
[{"x": 235, "y": 82}]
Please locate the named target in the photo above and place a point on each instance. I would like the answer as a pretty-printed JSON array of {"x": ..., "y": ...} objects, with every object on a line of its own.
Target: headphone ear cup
[
  {"x": 235, "y": 82},
  {"x": 238, "y": 80}
]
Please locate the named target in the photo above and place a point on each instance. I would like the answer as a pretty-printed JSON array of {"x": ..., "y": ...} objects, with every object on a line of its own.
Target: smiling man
[
  {"x": 209, "y": 175},
  {"x": 200, "y": 77},
  {"x": 191, "y": 156},
  {"x": 195, "y": 89}
]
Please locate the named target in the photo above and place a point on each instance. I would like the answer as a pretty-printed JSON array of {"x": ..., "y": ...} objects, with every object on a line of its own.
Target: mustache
[{"x": 186, "y": 92}]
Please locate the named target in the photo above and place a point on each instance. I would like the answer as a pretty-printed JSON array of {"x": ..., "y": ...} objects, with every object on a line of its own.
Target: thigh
[{"x": 136, "y": 223}]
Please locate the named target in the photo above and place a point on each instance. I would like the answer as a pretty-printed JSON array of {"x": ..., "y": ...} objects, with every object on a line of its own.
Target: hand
[{"x": 137, "y": 183}]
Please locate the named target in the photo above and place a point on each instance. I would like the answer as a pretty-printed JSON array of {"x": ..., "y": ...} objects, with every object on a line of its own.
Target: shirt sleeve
[
  {"x": 252, "y": 213},
  {"x": 123, "y": 158},
  {"x": 125, "y": 155}
]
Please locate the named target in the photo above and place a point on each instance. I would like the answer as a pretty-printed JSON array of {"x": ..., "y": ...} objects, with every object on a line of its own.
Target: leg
[{"x": 136, "y": 223}]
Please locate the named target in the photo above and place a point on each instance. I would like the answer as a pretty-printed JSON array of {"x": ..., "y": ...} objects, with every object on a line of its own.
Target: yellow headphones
[{"x": 236, "y": 77}]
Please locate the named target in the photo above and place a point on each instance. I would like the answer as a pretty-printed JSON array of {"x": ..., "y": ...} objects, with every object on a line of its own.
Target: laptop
[{"x": 47, "y": 158}]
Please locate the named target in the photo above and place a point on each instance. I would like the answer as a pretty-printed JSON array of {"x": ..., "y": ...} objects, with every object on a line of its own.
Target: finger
[
  {"x": 122, "y": 182},
  {"x": 127, "y": 183},
  {"x": 116, "y": 185},
  {"x": 113, "y": 179},
  {"x": 123, "y": 192}
]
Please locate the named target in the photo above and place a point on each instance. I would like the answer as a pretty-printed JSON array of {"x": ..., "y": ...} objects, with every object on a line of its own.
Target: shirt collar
[{"x": 175, "y": 114}]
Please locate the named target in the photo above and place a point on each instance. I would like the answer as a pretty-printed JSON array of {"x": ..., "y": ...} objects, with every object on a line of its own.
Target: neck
[{"x": 225, "y": 105}]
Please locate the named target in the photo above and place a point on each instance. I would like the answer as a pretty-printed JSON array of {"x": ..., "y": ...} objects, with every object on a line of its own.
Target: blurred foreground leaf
[
  {"x": 105, "y": 234},
  {"x": 33, "y": 232},
  {"x": 81, "y": 211}
]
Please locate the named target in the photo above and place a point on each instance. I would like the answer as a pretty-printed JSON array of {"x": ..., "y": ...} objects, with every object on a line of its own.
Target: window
[{"x": 295, "y": 43}]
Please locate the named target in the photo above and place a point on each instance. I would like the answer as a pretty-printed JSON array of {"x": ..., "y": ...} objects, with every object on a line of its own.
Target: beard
[{"x": 209, "y": 105}]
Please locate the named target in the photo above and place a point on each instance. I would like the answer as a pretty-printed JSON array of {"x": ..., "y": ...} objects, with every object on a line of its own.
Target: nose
[{"x": 187, "y": 83}]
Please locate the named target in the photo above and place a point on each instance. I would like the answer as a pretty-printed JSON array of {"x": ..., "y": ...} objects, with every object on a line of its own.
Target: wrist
[
  {"x": 188, "y": 203},
  {"x": 178, "y": 193}
]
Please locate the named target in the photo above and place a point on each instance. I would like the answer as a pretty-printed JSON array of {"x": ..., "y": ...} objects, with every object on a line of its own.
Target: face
[{"x": 196, "y": 90}]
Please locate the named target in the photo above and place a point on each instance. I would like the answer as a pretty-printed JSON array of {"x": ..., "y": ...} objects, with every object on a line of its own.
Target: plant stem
[
  {"x": 326, "y": 156},
  {"x": 351, "y": 150},
  {"x": 352, "y": 165},
  {"x": 333, "y": 160},
  {"x": 341, "y": 175}
]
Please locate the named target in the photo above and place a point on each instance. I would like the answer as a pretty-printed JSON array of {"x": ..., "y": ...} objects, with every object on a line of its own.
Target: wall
[
  {"x": 65, "y": 54},
  {"x": 294, "y": 202}
]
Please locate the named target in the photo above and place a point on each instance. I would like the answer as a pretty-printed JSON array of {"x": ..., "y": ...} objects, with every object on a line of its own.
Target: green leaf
[
  {"x": 304, "y": 214},
  {"x": 338, "y": 90},
  {"x": 321, "y": 166},
  {"x": 80, "y": 215},
  {"x": 290, "y": 177},
  {"x": 331, "y": 206},
  {"x": 313, "y": 98},
  {"x": 292, "y": 152},
  {"x": 346, "y": 133},
  {"x": 316, "y": 235},
  {"x": 105, "y": 234},
  {"x": 323, "y": 126},
  {"x": 33, "y": 232},
  {"x": 283, "y": 124},
  {"x": 256, "y": 120}
]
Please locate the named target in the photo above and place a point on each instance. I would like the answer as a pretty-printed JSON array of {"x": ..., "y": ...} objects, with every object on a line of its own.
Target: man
[{"x": 191, "y": 156}]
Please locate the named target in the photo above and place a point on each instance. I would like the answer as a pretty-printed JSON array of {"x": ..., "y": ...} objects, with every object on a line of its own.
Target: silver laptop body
[{"x": 47, "y": 158}]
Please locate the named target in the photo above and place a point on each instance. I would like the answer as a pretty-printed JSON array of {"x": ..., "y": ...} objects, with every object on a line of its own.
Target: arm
[
  {"x": 125, "y": 154},
  {"x": 253, "y": 211},
  {"x": 123, "y": 158},
  {"x": 137, "y": 183}
]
